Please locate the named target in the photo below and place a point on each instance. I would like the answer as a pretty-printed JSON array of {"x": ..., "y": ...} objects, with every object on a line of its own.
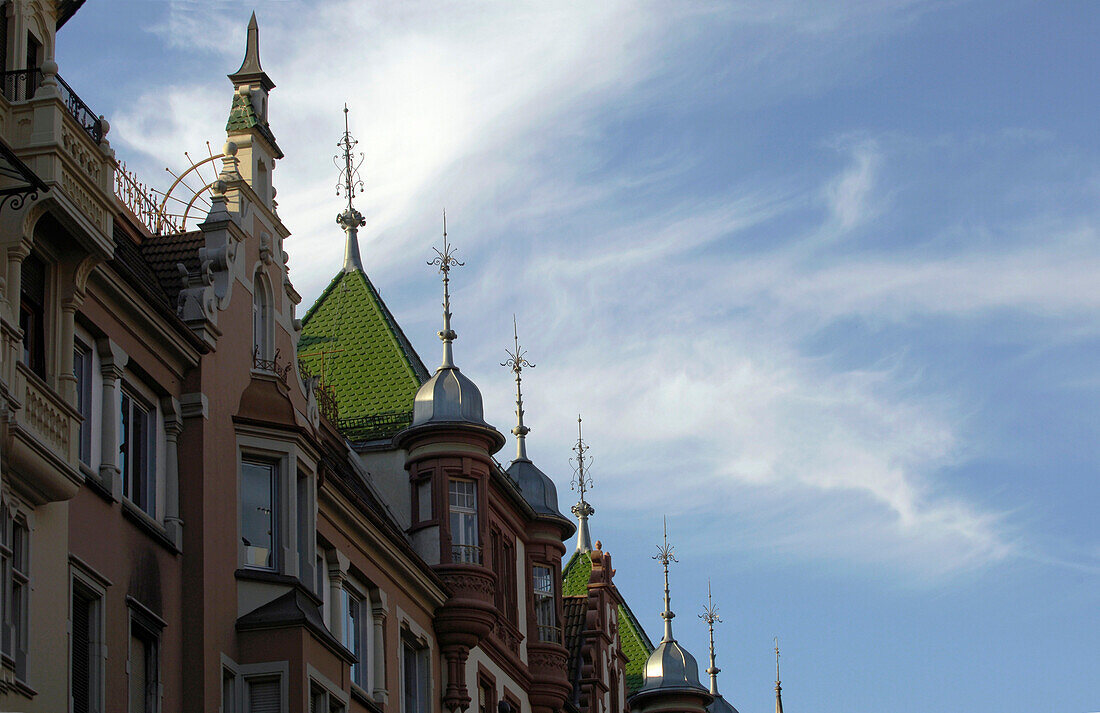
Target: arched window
[{"x": 262, "y": 336}]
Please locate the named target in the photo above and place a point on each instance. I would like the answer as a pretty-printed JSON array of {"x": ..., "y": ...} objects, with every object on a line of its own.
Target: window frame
[
  {"x": 355, "y": 637},
  {"x": 275, "y": 512},
  {"x": 132, "y": 401},
  {"x": 83, "y": 368},
  {"x": 412, "y": 648},
  {"x": 545, "y": 603},
  {"x": 462, "y": 551},
  {"x": 94, "y": 589},
  {"x": 145, "y": 626},
  {"x": 34, "y": 312}
]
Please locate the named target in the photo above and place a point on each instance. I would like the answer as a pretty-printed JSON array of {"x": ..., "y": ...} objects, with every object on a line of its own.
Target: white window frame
[
  {"x": 461, "y": 550},
  {"x": 140, "y": 397},
  {"x": 145, "y": 624},
  {"x": 247, "y": 674},
  {"x": 362, "y": 672},
  {"x": 94, "y": 588},
  {"x": 546, "y": 614},
  {"x": 83, "y": 369},
  {"x": 274, "y": 553},
  {"x": 332, "y": 698}
]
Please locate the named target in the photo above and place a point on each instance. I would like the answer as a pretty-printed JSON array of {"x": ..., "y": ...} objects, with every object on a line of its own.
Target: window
[
  {"x": 352, "y": 607},
  {"x": 414, "y": 663},
  {"x": 32, "y": 313},
  {"x": 144, "y": 669},
  {"x": 322, "y": 701},
  {"x": 259, "y": 493},
  {"x": 85, "y": 649},
  {"x": 261, "y": 320},
  {"x": 545, "y": 610},
  {"x": 264, "y": 694},
  {"x": 424, "y": 500},
  {"x": 229, "y": 691},
  {"x": 486, "y": 696},
  {"x": 137, "y": 453},
  {"x": 463, "y": 502},
  {"x": 15, "y": 560},
  {"x": 504, "y": 564},
  {"x": 82, "y": 370}
]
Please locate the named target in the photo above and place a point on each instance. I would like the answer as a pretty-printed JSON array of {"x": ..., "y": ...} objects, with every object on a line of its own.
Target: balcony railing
[
  {"x": 550, "y": 634},
  {"x": 140, "y": 200},
  {"x": 465, "y": 554},
  {"x": 273, "y": 366},
  {"x": 370, "y": 428},
  {"x": 21, "y": 85}
]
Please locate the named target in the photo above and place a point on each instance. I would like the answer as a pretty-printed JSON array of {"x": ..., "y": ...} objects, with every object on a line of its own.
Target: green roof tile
[
  {"x": 350, "y": 339},
  {"x": 636, "y": 644}
]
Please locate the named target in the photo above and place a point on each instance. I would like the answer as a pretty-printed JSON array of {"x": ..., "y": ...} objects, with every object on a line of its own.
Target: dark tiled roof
[
  {"x": 573, "y": 609},
  {"x": 163, "y": 252},
  {"x": 290, "y": 610},
  {"x": 130, "y": 262}
]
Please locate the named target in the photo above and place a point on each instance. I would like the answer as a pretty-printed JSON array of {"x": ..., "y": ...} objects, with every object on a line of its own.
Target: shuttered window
[
  {"x": 264, "y": 695},
  {"x": 83, "y": 621}
]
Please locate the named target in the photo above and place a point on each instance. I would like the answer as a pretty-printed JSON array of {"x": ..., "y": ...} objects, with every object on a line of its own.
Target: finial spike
[
  {"x": 666, "y": 553},
  {"x": 516, "y": 361},
  {"x": 710, "y": 616},
  {"x": 778, "y": 688},
  {"x": 582, "y": 481},
  {"x": 445, "y": 260},
  {"x": 349, "y": 182},
  {"x": 250, "y": 67}
]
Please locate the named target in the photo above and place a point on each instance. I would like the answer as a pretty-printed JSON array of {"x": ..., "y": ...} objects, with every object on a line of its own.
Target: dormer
[{"x": 248, "y": 126}]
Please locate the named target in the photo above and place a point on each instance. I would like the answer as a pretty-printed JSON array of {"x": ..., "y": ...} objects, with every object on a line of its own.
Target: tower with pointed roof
[
  {"x": 671, "y": 674},
  {"x": 351, "y": 342},
  {"x": 710, "y": 616}
]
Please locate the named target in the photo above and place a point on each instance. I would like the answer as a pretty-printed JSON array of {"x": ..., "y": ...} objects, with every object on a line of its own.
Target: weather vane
[
  {"x": 581, "y": 481},
  {"x": 445, "y": 260},
  {"x": 516, "y": 361},
  {"x": 349, "y": 171}
]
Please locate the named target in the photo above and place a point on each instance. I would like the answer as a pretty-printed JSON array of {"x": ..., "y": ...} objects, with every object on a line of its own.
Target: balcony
[
  {"x": 45, "y": 434},
  {"x": 465, "y": 554},
  {"x": 21, "y": 84}
]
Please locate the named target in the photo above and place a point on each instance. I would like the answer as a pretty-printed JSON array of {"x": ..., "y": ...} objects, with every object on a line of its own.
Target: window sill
[
  {"x": 363, "y": 697},
  {"x": 270, "y": 577},
  {"x": 95, "y": 483},
  {"x": 150, "y": 526}
]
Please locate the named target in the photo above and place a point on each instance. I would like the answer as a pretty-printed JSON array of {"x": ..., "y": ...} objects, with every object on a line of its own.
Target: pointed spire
[
  {"x": 778, "y": 688},
  {"x": 665, "y": 555},
  {"x": 710, "y": 616},
  {"x": 350, "y": 220},
  {"x": 516, "y": 361},
  {"x": 582, "y": 481},
  {"x": 250, "y": 69},
  {"x": 445, "y": 260}
]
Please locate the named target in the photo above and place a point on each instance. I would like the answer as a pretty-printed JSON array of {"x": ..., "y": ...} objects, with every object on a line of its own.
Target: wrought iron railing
[
  {"x": 466, "y": 554},
  {"x": 270, "y": 365},
  {"x": 139, "y": 199},
  {"x": 81, "y": 112},
  {"x": 21, "y": 85},
  {"x": 326, "y": 402},
  {"x": 550, "y": 634},
  {"x": 373, "y": 427}
]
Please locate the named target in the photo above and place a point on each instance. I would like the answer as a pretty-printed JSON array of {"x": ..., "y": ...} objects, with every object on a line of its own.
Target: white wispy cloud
[{"x": 684, "y": 351}]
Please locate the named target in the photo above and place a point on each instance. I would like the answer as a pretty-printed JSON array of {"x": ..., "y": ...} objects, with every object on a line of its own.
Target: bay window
[{"x": 462, "y": 497}]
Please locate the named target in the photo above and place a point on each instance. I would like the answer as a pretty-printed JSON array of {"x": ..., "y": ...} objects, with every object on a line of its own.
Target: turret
[
  {"x": 671, "y": 673},
  {"x": 450, "y": 451}
]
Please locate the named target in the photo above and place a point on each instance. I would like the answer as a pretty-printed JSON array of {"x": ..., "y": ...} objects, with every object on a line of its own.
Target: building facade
[{"x": 209, "y": 504}]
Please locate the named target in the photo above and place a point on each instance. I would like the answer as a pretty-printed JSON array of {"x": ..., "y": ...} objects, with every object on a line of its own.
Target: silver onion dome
[
  {"x": 537, "y": 488},
  {"x": 721, "y": 705},
  {"x": 448, "y": 397},
  {"x": 671, "y": 668}
]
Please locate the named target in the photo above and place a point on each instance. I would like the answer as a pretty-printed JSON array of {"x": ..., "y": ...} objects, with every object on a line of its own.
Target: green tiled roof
[
  {"x": 350, "y": 339},
  {"x": 636, "y": 644},
  {"x": 241, "y": 114}
]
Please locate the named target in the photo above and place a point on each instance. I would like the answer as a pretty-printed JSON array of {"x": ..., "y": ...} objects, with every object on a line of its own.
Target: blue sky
[{"x": 822, "y": 278}]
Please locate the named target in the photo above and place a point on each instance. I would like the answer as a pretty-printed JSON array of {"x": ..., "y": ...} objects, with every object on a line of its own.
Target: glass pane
[
  {"x": 258, "y": 513},
  {"x": 424, "y": 500}
]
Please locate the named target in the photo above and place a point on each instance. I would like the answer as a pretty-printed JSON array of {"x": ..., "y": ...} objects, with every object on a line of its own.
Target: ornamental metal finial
[
  {"x": 582, "y": 481},
  {"x": 445, "y": 260},
  {"x": 350, "y": 220},
  {"x": 710, "y": 616},
  {"x": 516, "y": 361},
  {"x": 778, "y": 688},
  {"x": 666, "y": 553}
]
